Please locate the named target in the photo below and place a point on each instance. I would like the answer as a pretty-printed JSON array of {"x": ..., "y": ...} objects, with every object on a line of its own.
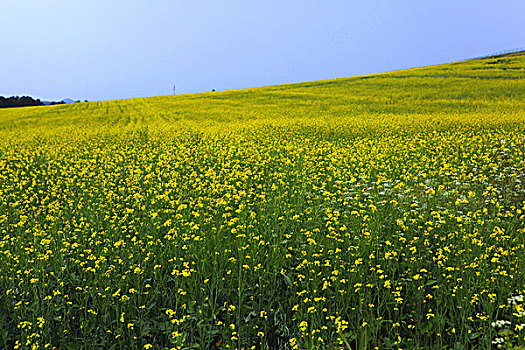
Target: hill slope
[
  {"x": 478, "y": 87},
  {"x": 385, "y": 211}
]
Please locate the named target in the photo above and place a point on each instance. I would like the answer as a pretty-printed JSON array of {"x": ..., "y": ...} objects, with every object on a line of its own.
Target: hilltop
[{"x": 480, "y": 86}]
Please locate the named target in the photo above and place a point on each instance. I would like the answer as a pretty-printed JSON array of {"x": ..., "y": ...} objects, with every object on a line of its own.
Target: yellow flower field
[{"x": 375, "y": 212}]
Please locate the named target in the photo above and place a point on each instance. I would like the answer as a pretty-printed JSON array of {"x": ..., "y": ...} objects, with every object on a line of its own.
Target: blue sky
[{"x": 113, "y": 49}]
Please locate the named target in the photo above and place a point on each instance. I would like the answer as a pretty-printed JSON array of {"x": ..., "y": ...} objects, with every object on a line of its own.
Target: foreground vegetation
[{"x": 382, "y": 211}]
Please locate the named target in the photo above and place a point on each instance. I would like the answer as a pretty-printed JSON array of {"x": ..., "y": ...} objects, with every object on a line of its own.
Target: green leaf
[{"x": 286, "y": 279}]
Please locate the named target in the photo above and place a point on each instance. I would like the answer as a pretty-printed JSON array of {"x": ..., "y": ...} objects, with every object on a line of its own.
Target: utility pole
[{"x": 173, "y": 89}]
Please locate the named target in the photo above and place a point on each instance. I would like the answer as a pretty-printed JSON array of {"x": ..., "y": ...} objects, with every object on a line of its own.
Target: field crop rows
[{"x": 383, "y": 211}]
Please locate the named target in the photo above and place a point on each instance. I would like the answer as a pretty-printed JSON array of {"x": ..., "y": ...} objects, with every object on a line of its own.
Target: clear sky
[{"x": 113, "y": 49}]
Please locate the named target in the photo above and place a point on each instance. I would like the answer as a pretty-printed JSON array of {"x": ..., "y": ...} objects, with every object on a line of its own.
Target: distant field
[{"x": 384, "y": 211}]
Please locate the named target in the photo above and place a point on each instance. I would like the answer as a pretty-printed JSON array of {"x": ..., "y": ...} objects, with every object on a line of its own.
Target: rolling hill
[
  {"x": 477, "y": 87},
  {"x": 382, "y": 211}
]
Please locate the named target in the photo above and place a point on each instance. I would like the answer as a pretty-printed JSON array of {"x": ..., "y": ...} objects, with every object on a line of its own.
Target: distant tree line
[
  {"x": 24, "y": 101},
  {"x": 16, "y": 101}
]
